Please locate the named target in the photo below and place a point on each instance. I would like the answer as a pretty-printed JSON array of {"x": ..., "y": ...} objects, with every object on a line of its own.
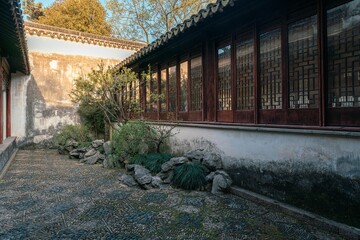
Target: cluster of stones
[
  {"x": 99, "y": 152},
  {"x": 218, "y": 180}
]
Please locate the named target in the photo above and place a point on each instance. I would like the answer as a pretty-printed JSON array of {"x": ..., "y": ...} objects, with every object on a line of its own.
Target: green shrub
[
  {"x": 151, "y": 161},
  {"x": 129, "y": 140},
  {"x": 189, "y": 176},
  {"x": 93, "y": 117},
  {"x": 79, "y": 133}
]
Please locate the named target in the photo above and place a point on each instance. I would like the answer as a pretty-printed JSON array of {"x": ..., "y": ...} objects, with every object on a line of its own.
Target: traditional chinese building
[
  {"x": 13, "y": 63},
  {"x": 274, "y": 86}
]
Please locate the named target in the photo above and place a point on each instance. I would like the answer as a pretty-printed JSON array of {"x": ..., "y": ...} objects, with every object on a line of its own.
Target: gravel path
[{"x": 47, "y": 196}]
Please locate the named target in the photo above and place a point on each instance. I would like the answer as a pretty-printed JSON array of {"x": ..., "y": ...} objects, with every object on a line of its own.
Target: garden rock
[
  {"x": 172, "y": 163},
  {"x": 210, "y": 177},
  {"x": 196, "y": 156},
  {"x": 142, "y": 175},
  {"x": 156, "y": 182},
  {"x": 97, "y": 143},
  {"x": 77, "y": 153},
  {"x": 212, "y": 161},
  {"x": 111, "y": 162},
  {"x": 168, "y": 177},
  {"x": 90, "y": 153},
  {"x": 107, "y": 148},
  {"x": 127, "y": 180},
  {"x": 91, "y": 160},
  {"x": 221, "y": 183}
]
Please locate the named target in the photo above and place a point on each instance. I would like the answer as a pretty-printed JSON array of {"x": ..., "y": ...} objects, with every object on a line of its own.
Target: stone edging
[
  {"x": 7, "y": 165},
  {"x": 344, "y": 230}
]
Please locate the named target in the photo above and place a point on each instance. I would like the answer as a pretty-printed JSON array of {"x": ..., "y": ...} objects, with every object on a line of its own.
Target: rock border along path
[{"x": 48, "y": 196}]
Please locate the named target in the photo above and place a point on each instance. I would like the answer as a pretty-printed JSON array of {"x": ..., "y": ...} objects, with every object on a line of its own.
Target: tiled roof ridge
[
  {"x": 208, "y": 11},
  {"x": 77, "y": 36}
]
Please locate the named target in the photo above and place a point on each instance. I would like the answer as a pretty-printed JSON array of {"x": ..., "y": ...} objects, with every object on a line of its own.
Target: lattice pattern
[
  {"x": 184, "y": 86},
  {"x": 343, "y": 38},
  {"x": 154, "y": 92},
  {"x": 224, "y": 78},
  {"x": 172, "y": 89},
  {"x": 196, "y": 93},
  {"x": 270, "y": 67},
  {"x": 303, "y": 66},
  {"x": 245, "y": 74},
  {"x": 163, "y": 91}
]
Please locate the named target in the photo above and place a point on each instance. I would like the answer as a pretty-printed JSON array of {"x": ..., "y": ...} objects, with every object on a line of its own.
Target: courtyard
[{"x": 45, "y": 195}]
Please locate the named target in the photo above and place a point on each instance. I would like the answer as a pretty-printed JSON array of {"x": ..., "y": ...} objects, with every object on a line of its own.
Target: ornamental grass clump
[
  {"x": 189, "y": 176},
  {"x": 151, "y": 161}
]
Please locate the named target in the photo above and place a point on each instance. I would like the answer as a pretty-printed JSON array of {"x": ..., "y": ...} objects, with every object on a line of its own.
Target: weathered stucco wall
[
  {"x": 41, "y": 102},
  {"x": 315, "y": 170}
]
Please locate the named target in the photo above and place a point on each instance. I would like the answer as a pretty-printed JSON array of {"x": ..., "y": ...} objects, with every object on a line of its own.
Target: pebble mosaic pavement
[{"x": 48, "y": 196}]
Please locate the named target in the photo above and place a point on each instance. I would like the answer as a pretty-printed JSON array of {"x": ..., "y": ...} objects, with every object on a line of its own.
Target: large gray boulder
[
  {"x": 212, "y": 161},
  {"x": 142, "y": 175},
  {"x": 90, "y": 153},
  {"x": 172, "y": 163},
  {"x": 97, "y": 143},
  {"x": 221, "y": 183},
  {"x": 92, "y": 159},
  {"x": 128, "y": 180},
  {"x": 196, "y": 156},
  {"x": 107, "y": 148}
]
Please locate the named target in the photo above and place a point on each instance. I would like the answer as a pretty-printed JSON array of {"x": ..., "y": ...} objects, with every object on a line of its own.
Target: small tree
[{"x": 111, "y": 90}]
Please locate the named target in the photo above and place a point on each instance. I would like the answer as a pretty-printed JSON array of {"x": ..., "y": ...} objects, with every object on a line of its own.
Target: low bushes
[
  {"x": 133, "y": 138},
  {"x": 190, "y": 176},
  {"x": 79, "y": 133}
]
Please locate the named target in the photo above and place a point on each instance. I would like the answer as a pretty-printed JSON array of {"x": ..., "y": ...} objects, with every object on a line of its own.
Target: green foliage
[
  {"x": 189, "y": 176},
  {"x": 151, "y": 161},
  {"x": 81, "y": 15},
  {"x": 104, "y": 89},
  {"x": 131, "y": 137},
  {"x": 92, "y": 116},
  {"x": 79, "y": 133},
  {"x": 32, "y": 9}
]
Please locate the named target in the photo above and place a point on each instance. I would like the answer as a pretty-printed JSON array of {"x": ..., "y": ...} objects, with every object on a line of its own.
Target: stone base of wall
[
  {"x": 327, "y": 194},
  {"x": 314, "y": 170},
  {"x": 6, "y": 150}
]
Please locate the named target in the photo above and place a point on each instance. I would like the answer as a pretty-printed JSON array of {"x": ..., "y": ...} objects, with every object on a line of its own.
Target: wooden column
[
  {"x": 8, "y": 109},
  {"x": 1, "y": 103},
  {"x": 321, "y": 61}
]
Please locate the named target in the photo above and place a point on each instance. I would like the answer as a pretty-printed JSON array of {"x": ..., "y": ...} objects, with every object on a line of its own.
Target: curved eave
[
  {"x": 193, "y": 21},
  {"x": 12, "y": 38}
]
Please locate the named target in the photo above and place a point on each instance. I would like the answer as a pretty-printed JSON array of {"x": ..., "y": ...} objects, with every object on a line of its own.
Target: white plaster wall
[
  {"x": 19, "y": 85},
  {"x": 50, "y": 45},
  {"x": 299, "y": 150}
]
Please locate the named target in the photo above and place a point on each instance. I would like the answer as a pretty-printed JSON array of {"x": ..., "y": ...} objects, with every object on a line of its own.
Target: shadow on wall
[{"x": 42, "y": 119}]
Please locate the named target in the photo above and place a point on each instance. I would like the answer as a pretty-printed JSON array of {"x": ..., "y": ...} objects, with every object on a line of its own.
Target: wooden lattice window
[
  {"x": 224, "y": 78},
  {"x": 172, "y": 89},
  {"x": 303, "y": 66},
  {"x": 245, "y": 74},
  {"x": 163, "y": 91},
  {"x": 343, "y": 41},
  {"x": 196, "y": 92},
  {"x": 154, "y": 92},
  {"x": 270, "y": 69},
  {"x": 184, "y": 86}
]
